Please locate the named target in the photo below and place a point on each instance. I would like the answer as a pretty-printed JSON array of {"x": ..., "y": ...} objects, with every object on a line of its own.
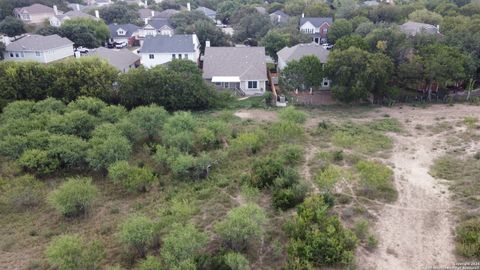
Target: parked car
[
  {"x": 110, "y": 45},
  {"x": 327, "y": 46},
  {"x": 81, "y": 49},
  {"x": 120, "y": 45}
]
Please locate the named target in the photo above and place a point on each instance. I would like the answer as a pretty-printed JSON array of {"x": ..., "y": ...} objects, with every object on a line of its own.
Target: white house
[
  {"x": 239, "y": 68},
  {"x": 316, "y": 27},
  {"x": 161, "y": 49},
  {"x": 43, "y": 49},
  {"x": 57, "y": 20},
  {"x": 36, "y": 13},
  {"x": 124, "y": 33},
  {"x": 157, "y": 26},
  {"x": 299, "y": 51}
]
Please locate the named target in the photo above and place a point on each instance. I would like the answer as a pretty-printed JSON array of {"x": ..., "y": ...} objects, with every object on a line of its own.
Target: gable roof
[
  {"x": 75, "y": 14},
  {"x": 35, "y": 9},
  {"x": 316, "y": 21},
  {"x": 413, "y": 28},
  {"x": 158, "y": 23},
  {"x": 145, "y": 13},
  {"x": 129, "y": 28},
  {"x": 168, "y": 44},
  {"x": 38, "y": 43},
  {"x": 119, "y": 59},
  {"x": 208, "y": 12},
  {"x": 247, "y": 63},
  {"x": 261, "y": 10},
  {"x": 298, "y": 51},
  {"x": 167, "y": 13},
  {"x": 279, "y": 16}
]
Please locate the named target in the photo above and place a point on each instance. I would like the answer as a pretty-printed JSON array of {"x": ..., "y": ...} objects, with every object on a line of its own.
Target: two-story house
[
  {"x": 241, "y": 69},
  {"x": 161, "y": 49},
  {"x": 58, "y": 20},
  {"x": 157, "y": 26},
  {"x": 43, "y": 49},
  {"x": 299, "y": 51},
  {"x": 36, "y": 13},
  {"x": 124, "y": 33},
  {"x": 316, "y": 27}
]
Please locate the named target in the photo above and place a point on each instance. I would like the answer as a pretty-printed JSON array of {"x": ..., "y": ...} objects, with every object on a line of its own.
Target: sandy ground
[
  {"x": 257, "y": 114},
  {"x": 416, "y": 232}
]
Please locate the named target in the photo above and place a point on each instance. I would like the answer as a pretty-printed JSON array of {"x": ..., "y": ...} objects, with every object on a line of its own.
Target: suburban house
[
  {"x": 146, "y": 13},
  {"x": 212, "y": 14},
  {"x": 413, "y": 28},
  {"x": 298, "y": 51},
  {"x": 43, "y": 49},
  {"x": 316, "y": 27},
  {"x": 157, "y": 26},
  {"x": 242, "y": 69},
  {"x": 36, "y": 13},
  {"x": 124, "y": 33},
  {"x": 166, "y": 14},
  {"x": 279, "y": 17},
  {"x": 121, "y": 59},
  {"x": 161, "y": 49},
  {"x": 102, "y": 3},
  {"x": 57, "y": 20}
]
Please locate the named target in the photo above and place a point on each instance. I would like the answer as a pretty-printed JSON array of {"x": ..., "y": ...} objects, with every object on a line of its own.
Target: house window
[
  {"x": 17, "y": 55},
  {"x": 173, "y": 56},
  {"x": 186, "y": 56},
  {"x": 21, "y": 54},
  {"x": 179, "y": 56},
  {"x": 325, "y": 30},
  {"x": 151, "y": 56},
  {"x": 11, "y": 54},
  {"x": 252, "y": 84},
  {"x": 120, "y": 32},
  {"x": 37, "y": 53}
]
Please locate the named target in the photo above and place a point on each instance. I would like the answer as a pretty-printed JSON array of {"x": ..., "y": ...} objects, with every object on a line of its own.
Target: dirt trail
[{"x": 416, "y": 232}]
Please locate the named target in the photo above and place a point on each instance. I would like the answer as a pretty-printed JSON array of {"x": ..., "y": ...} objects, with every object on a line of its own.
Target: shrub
[
  {"x": 137, "y": 232},
  {"x": 69, "y": 150},
  {"x": 71, "y": 252},
  {"x": 38, "y": 160},
  {"x": 387, "y": 124},
  {"x": 112, "y": 113},
  {"x": 361, "y": 228},
  {"x": 292, "y": 154},
  {"x": 265, "y": 170},
  {"x": 22, "y": 192},
  {"x": 328, "y": 178},
  {"x": 249, "y": 143},
  {"x": 285, "y": 130},
  {"x": 181, "y": 245},
  {"x": 448, "y": 167},
  {"x": 105, "y": 151},
  {"x": 149, "y": 119},
  {"x": 18, "y": 109},
  {"x": 150, "y": 263},
  {"x": 292, "y": 115},
  {"x": 376, "y": 180},
  {"x": 470, "y": 121},
  {"x": 78, "y": 123},
  {"x": 286, "y": 198},
  {"x": 236, "y": 261},
  {"x": 90, "y": 105},
  {"x": 318, "y": 238},
  {"x": 74, "y": 197},
  {"x": 190, "y": 167},
  {"x": 132, "y": 178},
  {"x": 49, "y": 105},
  {"x": 241, "y": 225},
  {"x": 361, "y": 138},
  {"x": 372, "y": 242},
  {"x": 468, "y": 238}
]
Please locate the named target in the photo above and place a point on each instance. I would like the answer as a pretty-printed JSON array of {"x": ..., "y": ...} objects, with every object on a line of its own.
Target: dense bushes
[
  {"x": 181, "y": 246},
  {"x": 68, "y": 252},
  {"x": 318, "y": 238},
  {"x": 137, "y": 232},
  {"x": 288, "y": 191},
  {"x": 132, "y": 178},
  {"x": 73, "y": 197}
]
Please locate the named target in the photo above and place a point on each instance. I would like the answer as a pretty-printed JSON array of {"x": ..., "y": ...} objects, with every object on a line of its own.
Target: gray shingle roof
[
  {"x": 35, "y": 9},
  {"x": 145, "y": 13},
  {"x": 208, "y": 12},
  {"x": 279, "y": 16},
  {"x": 38, "y": 43},
  {"x": 129, "y": 28},
  {"x": 120, "y": 59},
  {"x": 316, "y": 21},
  {"x": 413, "y": 28},
  {"x": 248, "y": 63},
  {"x": 298, "y": 51},
  {"x": 74, "y": 14},
  {"x": 168, "y": 44},
  {"x": 158, "y": 23},
  {"x": 167, "y": 13}
]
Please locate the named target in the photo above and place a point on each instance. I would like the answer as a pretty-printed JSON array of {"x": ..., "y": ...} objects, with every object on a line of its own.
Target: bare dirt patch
[{"x": 257, "y": 115}]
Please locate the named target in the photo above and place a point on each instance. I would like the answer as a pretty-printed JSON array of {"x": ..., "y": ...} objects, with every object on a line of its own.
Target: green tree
[
  {"x": 132, "y": 178},
  {"x": 236, "y": 261},
  {"x": 73, "y": 197},
  {"x": 72, "y": 252},
  {"x": 302, "y": 74},
  {"x": 207, "y": 30},
  {"x": 349, "y": 41},
  {"x": 137, "y": 232},
  {"x": 318, "y": 9},
  {"x": 120, "y": 13},
  {"x": 70, "y": 151},
  {"x": 12, "y": 26},
  {"x": 105, "y": 151},
  {"x": 150, "y": 263},
  {"x": 226, "y": 9},
  {"x": 273, "y": 42},
  {"x": 425, "y": 16},
  {"x": 90, "y": 105},
  {"x": 148, "y": 119},
  {"x": 252, "y": 25},
  {"x": 241, "y": 225},
  {"x": 85, "y": 32},
  {"x": 181, "y": 245},
  {"x": 340, "y": 28},
  {"x": 38, "y": 161}
]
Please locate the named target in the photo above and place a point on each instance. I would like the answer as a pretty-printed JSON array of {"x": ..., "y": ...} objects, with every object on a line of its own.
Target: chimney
[
  {"x": 188, "y": 7},
  {"x": 438, "y": 28},
  {"x": 303, "y": 15},
  {"x": 146, "y": 21},
  {"x": 153, "y": 13},
  {"x": 78, "y": 7},
  {"x": 207, "y": 44},
  {"x": 55, "y": 9},
  {"x": 146, "y": 3},
  {"x": 97, "y": 14}
]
